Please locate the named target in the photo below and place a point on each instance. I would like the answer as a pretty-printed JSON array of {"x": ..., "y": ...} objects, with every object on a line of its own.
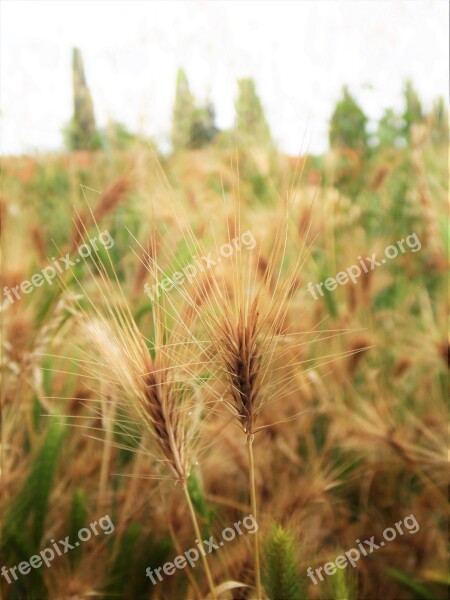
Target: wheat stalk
[{"x": 160, "y": 387}]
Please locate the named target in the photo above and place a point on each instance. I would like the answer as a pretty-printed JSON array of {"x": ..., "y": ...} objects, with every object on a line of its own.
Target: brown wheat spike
[
  {"x": 161, "y": 389},
  {"x": 157, "y": 390},
  {"x": 160, "y": 405},
  {"x": 108, "y": 202},
  {"x": 246, "y": 323},
  {"x": 239, "y": 351}
]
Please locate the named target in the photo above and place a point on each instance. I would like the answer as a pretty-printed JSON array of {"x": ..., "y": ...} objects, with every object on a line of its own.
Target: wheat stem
[
  {"x": 199, "y": 537},
  {"x": 251, "y": 463}
]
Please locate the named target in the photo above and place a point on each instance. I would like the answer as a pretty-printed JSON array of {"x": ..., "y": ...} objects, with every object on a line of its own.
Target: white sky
[{"x": 300, "y": 54}]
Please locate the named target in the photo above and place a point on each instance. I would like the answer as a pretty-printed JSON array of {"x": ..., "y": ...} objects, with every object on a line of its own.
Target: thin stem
[
  {"x": 199, "y": 537},
  {"x": 251, "y": 463},
  {"x": 106, "y": 455}
]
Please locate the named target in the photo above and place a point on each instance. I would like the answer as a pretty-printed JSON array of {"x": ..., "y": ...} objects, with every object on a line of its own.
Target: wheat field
[{"x": 168, "y": 369}]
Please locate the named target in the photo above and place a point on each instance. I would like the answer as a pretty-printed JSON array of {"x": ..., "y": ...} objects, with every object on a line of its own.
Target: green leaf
[
  {"x": 42, "y": 476},
  {"x": 420, "y": 591},
  {"x": 77, "y": 521},
  {"x": 196, "y": 495},
  {"x": 121, "y": 576}
]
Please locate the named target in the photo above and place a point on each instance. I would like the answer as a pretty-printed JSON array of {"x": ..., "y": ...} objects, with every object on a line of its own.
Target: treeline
[
  {"x": 349, "y": 123},
  {"x": 194, "y": 125}
]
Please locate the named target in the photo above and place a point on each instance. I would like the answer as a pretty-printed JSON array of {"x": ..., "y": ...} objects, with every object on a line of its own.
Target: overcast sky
[{"x": 300, "y": 54}]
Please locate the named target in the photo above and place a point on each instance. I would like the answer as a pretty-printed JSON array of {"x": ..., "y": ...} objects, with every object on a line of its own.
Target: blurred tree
[
  {"x": 203, "y": 128},
  {"x": 438, "y": 121},
  {"x": 348, "y": 125},
  {"x": 390, "y": 129},
  {"x": 413, "y": 107},
  {"x": 251, "y": 122},
  {"x": 183, "y": 112},
  {"x": 81, "y": 133},
  {"x": 192, "y": 126}
]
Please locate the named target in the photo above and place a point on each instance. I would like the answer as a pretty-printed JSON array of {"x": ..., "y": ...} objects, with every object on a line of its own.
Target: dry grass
[{"x": 344, "y": 397}]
